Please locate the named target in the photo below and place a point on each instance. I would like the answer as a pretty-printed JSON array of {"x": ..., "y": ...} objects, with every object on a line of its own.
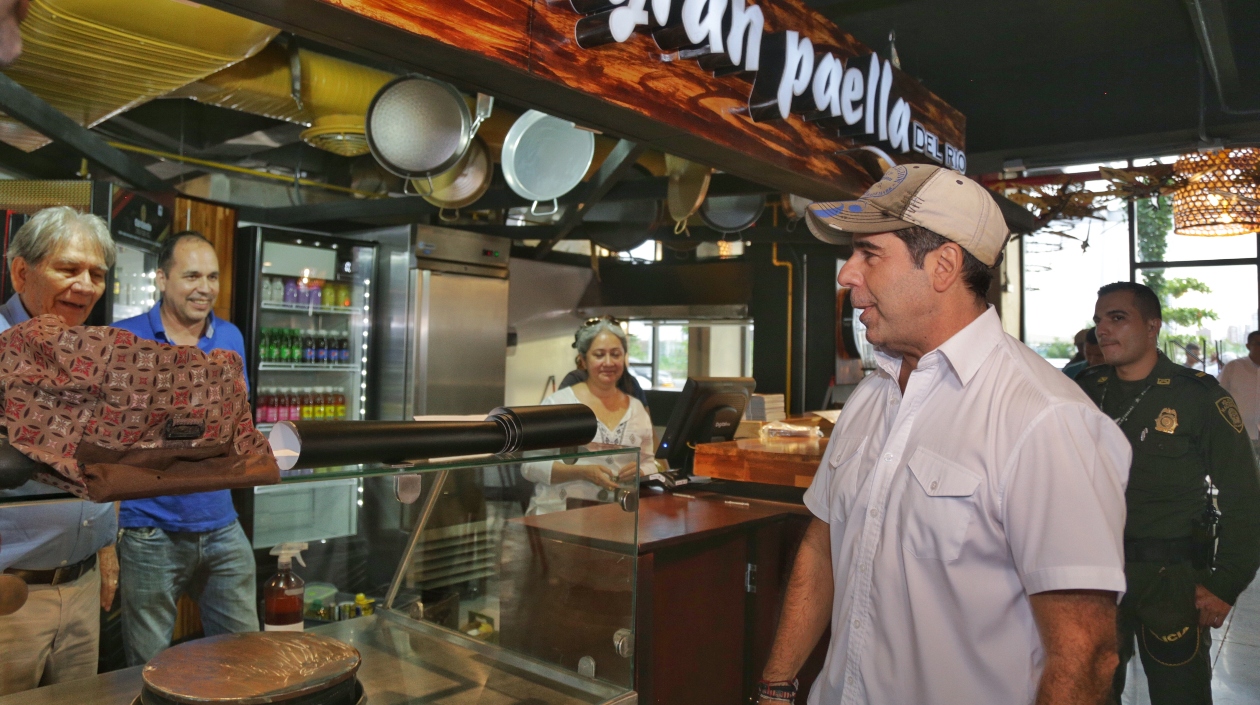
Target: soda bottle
[
  {"x": 339, "y": 400},
  {"x": 294, "y": 343},
  {"x": 316, "y": 292},
  {"x": 321, "y": 347},
  {"x": 308, "y": 346},
  {"x": 273, "y": 345},
  {"x": 343, "y": 349},
  {"x": 290, "y": 290},
  {"x": 264, "y": 343},
  {"x": 295, "y": 404}
]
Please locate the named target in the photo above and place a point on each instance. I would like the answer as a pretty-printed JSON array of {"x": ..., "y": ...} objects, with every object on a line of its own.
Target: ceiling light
[{"x": 1220, "y": 196}]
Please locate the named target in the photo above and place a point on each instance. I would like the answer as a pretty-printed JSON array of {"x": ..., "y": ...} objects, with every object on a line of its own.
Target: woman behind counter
[{"x": 601, "y": 345}]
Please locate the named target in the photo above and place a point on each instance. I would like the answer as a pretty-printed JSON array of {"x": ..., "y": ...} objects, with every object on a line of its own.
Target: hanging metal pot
[
  {"x": 688, "y": 185},
  {"x": 793, "y": 206},
  {"x": 621, "y": 226},
  {"x": 465, "y": 183},
  {"x": 418, "y": 127},
  {"x": 545, "y": 157},
  {"x": 732, "y": 214}
]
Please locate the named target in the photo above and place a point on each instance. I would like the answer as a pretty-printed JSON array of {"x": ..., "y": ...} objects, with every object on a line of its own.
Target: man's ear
[
  {"x": 159, "y": 282},
  {"x": 19, "y": 270},
  {"x": 944, "y": 265}
]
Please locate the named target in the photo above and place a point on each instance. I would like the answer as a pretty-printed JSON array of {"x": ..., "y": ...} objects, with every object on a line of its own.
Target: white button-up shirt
[
  {"x": 1241, "y": 378},
  {"x": 991, "y": 479}
]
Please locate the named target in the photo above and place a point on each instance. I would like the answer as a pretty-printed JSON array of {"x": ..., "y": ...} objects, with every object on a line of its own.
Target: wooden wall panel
[
  {"x": 218, "y": 224},
  {"x": 498, "y": 29}
]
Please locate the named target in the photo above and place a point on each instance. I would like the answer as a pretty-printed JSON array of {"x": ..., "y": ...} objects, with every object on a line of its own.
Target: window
[{"x": 663, "y": 354}]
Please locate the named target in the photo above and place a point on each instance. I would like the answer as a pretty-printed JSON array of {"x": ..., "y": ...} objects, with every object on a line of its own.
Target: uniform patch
[
  {"x": 1102, "y": 379},
  {"x": 1229, "y": 410},
  {"x": 1166, "y": 422},
  {"x": 1164, "y": 381},
  {"x": 1200, "y": 374}
]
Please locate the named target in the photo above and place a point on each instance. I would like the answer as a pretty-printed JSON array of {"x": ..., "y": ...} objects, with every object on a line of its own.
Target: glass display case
[{"x": 457, "y": 588}]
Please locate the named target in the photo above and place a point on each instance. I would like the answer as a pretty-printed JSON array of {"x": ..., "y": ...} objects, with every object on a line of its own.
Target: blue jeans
[{"x": 215, "y": 568}]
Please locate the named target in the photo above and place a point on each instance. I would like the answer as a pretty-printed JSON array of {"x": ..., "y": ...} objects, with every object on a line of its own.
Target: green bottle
[
  {"x": 264, "y": 348},
  {"x": 273, "y": 346},
  {"x": 283, "y": 343}
]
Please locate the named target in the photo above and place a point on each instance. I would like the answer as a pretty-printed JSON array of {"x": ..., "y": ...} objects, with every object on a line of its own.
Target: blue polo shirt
[{"x": 202, "y": 511}]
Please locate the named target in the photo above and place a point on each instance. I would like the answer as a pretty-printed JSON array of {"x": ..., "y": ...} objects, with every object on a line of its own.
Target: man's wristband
[{"x": 782, "y": 691}]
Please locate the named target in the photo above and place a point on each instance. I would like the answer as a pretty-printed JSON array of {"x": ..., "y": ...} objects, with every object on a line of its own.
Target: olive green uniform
[{"x": 1184, "y": 426}]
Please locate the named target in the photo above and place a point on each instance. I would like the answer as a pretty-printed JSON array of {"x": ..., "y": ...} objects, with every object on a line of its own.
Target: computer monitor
[{"x": 708, "y": 411}]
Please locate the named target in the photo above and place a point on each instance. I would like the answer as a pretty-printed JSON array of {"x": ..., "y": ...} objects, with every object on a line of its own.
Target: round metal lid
[
  {"x": 544, "y": 157},
  {"x": 250, "y": 669},
  {"x": 417, "y": 127},
  {"x": 688, "y": 185},
  {"x": 465, "y": 183}
]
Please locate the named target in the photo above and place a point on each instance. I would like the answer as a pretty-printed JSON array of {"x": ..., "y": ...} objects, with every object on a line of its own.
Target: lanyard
[{"x": 1102, "y": 404}]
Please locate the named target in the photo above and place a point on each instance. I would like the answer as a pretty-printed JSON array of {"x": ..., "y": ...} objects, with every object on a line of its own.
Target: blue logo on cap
[
  {"x": 855, "y": 208},
  {"x": 892, "y": 179}
]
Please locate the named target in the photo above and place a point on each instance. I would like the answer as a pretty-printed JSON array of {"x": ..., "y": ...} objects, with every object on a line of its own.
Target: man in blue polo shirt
[{"x": 184, "y": 543}]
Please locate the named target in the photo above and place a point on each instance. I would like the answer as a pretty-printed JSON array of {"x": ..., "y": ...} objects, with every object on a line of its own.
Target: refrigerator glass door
[{"x": 133, "y": 290}]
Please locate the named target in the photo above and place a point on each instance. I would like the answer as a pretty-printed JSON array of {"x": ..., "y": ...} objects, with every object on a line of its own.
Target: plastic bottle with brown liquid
[{"x": 284, "y": 596}]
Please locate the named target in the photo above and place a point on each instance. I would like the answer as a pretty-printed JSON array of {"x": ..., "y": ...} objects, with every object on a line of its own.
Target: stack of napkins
[{"x": 765, "y": 407}]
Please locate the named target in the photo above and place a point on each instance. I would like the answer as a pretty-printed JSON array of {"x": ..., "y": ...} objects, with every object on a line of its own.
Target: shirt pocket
[
  {"x": 939, "y": 506},
  {"x": 845, "y": 461}
]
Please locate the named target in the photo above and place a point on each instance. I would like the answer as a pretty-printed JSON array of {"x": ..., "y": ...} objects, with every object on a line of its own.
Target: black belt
[
  {"x": 1158, "y": 550},
  {"x": 56, "y": 576}
]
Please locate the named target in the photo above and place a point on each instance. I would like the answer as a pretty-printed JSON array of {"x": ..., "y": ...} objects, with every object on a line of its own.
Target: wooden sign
[{"x": 771, "y": 91}]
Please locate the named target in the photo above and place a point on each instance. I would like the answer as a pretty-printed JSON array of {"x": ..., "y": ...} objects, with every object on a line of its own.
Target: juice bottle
[
  {"x": 308, "y": 409},
  {"x": 290, "y": 290},
  {"x": 308, "y": 346},
  {"x": 284, "y": 596},
  {"x": 339, "y": 400},
  {"x": 316, "y": 288},
  {"x": 260, "y": 411},
  {"x": 273, "y": 408},
  {"x": 264, "y": 343},
  {"x": 329, "y": 294},
  {"x": 345, "y": 294},
  {"x": 295, "y": 404},
  {"x": 317, "y": 404},
  {"x": 321, "y": 347},
  {"x": 281, "y": 404}
]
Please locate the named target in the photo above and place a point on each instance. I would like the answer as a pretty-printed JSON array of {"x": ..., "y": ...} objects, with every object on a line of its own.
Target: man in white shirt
[
  {"x": 966, "y": 545},
  {"x": 1241, "y": 378}
]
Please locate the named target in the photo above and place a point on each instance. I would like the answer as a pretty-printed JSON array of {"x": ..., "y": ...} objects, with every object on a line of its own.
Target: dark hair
[
  {"x": 1252, "y": 334},
  {"x": 977, "y": 275},
  {"x": 166, "y": 257},
  {"x": 1091, "y": 336},
  {"x": 1144, "y": 298}
]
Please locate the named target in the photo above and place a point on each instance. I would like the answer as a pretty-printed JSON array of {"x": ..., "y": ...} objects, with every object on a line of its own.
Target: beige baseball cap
[{"x": 932, "y": 197}]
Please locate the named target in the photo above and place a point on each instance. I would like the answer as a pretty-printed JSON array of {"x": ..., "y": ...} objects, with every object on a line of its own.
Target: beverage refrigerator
[{"x": 305, "y": 311}]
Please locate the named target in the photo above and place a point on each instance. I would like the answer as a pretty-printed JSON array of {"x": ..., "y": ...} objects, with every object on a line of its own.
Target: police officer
[{"x": 1183, "y": 427}]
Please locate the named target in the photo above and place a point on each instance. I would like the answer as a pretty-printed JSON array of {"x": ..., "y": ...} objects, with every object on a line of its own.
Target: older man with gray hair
[{"x": 63, "y": 551}]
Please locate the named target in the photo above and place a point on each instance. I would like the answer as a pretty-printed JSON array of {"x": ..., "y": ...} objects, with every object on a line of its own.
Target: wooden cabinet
[{"x": 711, "y": 573}]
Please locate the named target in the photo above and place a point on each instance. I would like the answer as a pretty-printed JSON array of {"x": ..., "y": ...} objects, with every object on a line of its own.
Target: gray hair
[
  {"x": 587, "y": 334},
  {"x": 53, "y": 228}
]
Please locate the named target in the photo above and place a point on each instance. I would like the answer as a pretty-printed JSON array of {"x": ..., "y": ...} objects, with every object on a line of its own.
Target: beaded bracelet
[{"x": 782, "y": 691}]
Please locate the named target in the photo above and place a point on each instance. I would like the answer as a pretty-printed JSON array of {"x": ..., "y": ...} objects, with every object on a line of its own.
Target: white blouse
[{"x": 634, "y": 429}]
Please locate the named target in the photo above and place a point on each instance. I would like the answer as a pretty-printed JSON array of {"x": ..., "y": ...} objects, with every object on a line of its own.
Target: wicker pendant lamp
[{"x": 1221, "y": 196}]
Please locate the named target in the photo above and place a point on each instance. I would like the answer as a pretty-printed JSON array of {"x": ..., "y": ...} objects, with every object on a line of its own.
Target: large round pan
[
  {"x": 418, "y": 127},
  {"x": 465, "y": 183},
  {"x": 732, "y": 214},
  {"x": 545, "y": 157}
]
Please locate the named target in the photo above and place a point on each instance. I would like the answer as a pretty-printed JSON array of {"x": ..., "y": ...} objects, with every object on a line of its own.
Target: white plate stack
[{"x": 765, "y": 407}]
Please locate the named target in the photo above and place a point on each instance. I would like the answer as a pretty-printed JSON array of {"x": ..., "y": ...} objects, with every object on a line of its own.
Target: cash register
[{"x": 709, "y": 410}]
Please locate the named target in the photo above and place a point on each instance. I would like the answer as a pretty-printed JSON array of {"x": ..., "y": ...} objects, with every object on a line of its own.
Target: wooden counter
[
  {"x": 789, "y": 463},
  {"x": 711, "y": 571}
]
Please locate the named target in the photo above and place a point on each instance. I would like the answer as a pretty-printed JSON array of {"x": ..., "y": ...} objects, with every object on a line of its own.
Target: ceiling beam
[
  {"x": 32, "y": 165},
  {"x": 618, "y": 163},
  {"x": 1211, "y": 28},
  {"x": 32, "y": 111}
]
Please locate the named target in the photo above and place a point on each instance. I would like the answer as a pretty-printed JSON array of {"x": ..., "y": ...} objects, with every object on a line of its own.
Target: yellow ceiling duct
[
  {"x": 93, "y": 59},
  {"x": 335, "y": 95}
]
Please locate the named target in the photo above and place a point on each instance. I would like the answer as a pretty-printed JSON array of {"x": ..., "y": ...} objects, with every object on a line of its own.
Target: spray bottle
[{"x": 284, "y": 596}]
